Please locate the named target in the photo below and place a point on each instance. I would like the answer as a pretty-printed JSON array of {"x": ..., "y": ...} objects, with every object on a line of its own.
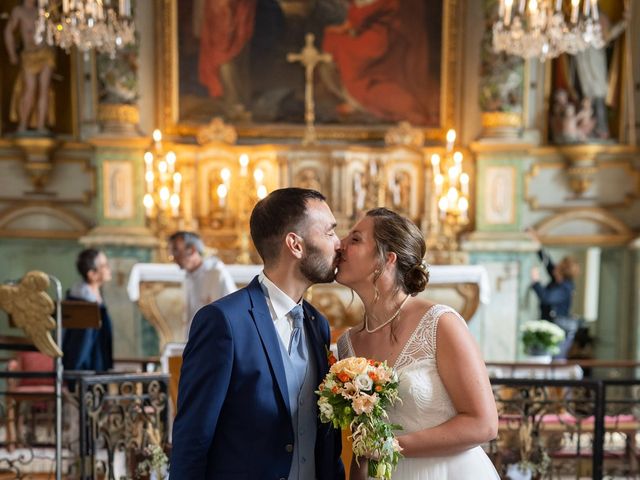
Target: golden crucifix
[{"x": 310, "y": 57}]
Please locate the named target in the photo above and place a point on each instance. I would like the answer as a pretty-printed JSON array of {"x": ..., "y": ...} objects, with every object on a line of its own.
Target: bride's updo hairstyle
[{"x": 397, "y": 234}]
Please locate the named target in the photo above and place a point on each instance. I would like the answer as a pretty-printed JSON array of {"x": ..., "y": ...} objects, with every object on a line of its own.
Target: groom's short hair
[{"x": 282, "y": 211}]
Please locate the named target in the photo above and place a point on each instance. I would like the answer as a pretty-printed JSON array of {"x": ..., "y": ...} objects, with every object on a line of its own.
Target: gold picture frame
[{"x": 168, "y": 86}]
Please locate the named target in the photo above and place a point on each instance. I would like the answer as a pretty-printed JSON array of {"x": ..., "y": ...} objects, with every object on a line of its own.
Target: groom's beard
[{"x": 316, "y": 267}]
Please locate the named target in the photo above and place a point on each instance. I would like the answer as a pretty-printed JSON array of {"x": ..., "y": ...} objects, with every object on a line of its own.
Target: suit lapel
[
  {"x": 317, "y": 344},
  {"x": 268, "y": 337}
]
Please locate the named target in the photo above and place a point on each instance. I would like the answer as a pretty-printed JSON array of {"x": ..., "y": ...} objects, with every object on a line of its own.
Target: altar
[{"x": 157, "y": 288}]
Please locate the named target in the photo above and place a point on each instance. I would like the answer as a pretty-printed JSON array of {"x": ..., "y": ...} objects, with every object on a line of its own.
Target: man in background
[{"x": 206, "y": 280}]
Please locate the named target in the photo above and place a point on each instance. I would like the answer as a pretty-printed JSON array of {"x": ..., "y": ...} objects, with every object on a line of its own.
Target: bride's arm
[{"x": 464, "y": 375}]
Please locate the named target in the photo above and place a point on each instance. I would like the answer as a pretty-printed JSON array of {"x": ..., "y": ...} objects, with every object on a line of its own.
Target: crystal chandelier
[
  {"x": 85, "y": 24},
  {"x": 538, "y": 28}
]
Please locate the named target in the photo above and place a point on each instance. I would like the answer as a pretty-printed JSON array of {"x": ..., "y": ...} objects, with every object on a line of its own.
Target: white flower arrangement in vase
[{"x": 541, "y": 337}]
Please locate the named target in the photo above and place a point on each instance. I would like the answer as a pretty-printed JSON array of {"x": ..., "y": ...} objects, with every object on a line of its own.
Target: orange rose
[
  {"x": 352, "y": 366},
  {"x": 332, "y": 359}
]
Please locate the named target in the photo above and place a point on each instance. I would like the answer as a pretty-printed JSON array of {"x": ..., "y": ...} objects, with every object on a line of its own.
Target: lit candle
[
  {"x": 443, "y": 206},
  {"x": 463, "y": 207},
  {"x": 258, "y": 175},
  {"x": 452, "y": 196},
  {"x": 451, "y": 139},
  {"x": 435, "y": 163},
  {"x": 508, "y": 4},
  {"x": 171, "y": 161},
  {"x": 225, "y": 175},
  {"x": 533, "y": 7},
  {"x": 501, "y": 9},
  {"x": 454, "y": 171},
  {"x": 174, "y": 201},
  {"x": 464, "y": 183},
  {"x": 244, "y": 163},
  {"x": 162, "y": 167},
  {"x": 574, "y": 10},
  {"x": 521, "y": 7},
  {"x": 438, "y": 181},
  {"x": 177, "y": 182},
  {"x": 147, "y": 201},
  {"x": 157, "y": 137},
  {"x": 148, "y": 176},
  {"x": 262, "y": 192},
  {"x": 586, "y": 7},
  {"x": 164, "y": 196},
  {"x": 148, "y": 159},
  {"x": 222, "y": 194},
  {"x": 457, "y": 158},
  {"x": 594, "y": 10}
]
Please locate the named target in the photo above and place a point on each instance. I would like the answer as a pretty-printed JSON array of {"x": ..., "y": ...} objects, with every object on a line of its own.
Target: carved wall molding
[
  {"x": 42, "y": 221},
  {"x": 607, "y": 229}
]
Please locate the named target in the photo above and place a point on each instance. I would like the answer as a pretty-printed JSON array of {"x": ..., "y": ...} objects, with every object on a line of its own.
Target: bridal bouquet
[{"x": 356, "y": 393}]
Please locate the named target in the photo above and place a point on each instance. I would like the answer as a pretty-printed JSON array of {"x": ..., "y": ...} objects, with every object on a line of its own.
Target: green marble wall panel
[
  {"x": 120, "y": 187},
  {"x": 499, "y": 193},
  {"x": 615, "y": 337}
]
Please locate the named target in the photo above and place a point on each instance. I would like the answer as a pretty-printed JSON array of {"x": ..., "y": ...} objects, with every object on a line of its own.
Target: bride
[{"x": 447, "y": 409}]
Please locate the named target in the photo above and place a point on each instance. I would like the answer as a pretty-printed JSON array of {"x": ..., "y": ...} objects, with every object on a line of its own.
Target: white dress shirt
[{"x": 280, "y": 304}]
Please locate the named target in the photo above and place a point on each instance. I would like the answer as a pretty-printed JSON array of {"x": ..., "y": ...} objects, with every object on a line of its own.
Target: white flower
[
  {"x": 363, "y": 382},
  {"x": 329, "y": 383},
  {"x": 326, "y": 410},
  {"x": 364, "y": 403}
]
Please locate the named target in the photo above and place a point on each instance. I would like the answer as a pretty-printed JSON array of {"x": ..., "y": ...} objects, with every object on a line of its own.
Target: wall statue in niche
[
  {"x": 24, "y": 108},
  {"x": 585, "y": 99},
  {"x": 501, "y": 83},
  {"x": 118, "y": 89}
]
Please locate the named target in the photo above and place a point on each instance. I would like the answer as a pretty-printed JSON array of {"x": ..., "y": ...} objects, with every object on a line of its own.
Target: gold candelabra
[
  {"x": 451, "y": 190},
  {"x": 246, "y": 189},
  {"x": 162, "y": 186}
]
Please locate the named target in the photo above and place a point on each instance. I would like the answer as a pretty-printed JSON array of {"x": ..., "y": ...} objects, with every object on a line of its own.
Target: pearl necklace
[{"x": 393, "y": 317}]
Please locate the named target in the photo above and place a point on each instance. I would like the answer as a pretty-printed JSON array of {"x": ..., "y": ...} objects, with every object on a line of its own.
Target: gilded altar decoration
[
  {"x": 404, "y": 134},
  {"x": 217, "y": 131},
  {"x": 30, "y": 308}
]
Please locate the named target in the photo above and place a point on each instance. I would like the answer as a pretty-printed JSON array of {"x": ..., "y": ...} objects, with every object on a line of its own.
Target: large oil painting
[{"x": 228, "y": 59}]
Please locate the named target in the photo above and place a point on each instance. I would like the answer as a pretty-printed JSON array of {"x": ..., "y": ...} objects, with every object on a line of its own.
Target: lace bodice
[{"x": 425, "y": 401}]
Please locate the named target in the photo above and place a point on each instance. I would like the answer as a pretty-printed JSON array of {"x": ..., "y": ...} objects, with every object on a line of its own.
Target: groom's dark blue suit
[{"x": 233, "y": 419}]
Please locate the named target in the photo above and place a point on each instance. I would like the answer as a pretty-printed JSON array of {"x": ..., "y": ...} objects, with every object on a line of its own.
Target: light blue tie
[{"x": 297, "y": 346}]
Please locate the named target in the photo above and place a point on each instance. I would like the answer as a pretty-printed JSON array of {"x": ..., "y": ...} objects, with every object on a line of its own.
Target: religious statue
[{"x": 37, "y": 63}]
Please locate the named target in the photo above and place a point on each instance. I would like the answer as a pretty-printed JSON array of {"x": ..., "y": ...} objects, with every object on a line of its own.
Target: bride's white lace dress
[{"x": 425, "y": 403}]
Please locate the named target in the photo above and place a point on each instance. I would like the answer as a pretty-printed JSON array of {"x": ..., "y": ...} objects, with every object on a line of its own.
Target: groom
[{"x": 246, "y": 402}]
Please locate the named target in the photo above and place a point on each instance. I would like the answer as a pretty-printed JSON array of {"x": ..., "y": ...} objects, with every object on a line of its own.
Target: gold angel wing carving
[{"x": 31, "y": 307}]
